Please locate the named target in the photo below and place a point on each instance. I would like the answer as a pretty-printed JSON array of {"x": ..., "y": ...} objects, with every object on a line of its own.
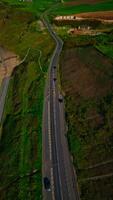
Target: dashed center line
[
  {"x": 49, "y": 131},
  {"x": 50, "y": 152},
  {"x": 52, "y": 184}
]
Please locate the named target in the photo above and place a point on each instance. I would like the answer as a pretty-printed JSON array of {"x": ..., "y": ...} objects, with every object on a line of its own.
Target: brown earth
[
  {"x": 78, "y": 2},
  {"x": 102, "y": 16},
  {"x": 107, "y": 15},
  {"x": 8, "y": 61},
  {"x": 89, "y": 78}
]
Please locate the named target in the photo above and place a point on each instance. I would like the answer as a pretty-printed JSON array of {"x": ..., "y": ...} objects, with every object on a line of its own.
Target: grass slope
[{"x": 21, "y": 128}]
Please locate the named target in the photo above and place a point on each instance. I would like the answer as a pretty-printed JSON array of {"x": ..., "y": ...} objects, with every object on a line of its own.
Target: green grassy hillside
[
  {"x": 21, "y": 128},
  {"x": 36, "y": 6}
]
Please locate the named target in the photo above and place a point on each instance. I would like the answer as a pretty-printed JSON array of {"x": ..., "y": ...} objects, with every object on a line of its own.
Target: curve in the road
[{"x": 64, "y": 181}]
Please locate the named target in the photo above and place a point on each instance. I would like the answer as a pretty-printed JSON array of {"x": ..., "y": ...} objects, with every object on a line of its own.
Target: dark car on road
[
  {"x": 47, "y": 184},
  {"x": 54, "y": 79},
  {"x": 60, "y": 98}
]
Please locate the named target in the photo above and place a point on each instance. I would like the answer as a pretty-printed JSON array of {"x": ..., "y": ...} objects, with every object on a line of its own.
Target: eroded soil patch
[{"x": 8, "y": 61}]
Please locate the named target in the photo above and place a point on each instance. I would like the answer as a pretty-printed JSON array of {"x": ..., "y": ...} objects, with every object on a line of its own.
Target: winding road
[{"x": 57, "y": 165}]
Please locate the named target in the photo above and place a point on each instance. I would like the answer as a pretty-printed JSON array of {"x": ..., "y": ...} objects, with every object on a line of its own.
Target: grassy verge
[{"x": 21, "y": 142}]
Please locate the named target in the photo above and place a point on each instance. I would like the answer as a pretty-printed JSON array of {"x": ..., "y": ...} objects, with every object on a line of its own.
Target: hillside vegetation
[
  {"x": 21, "y": 145},
  {"x": 34, "y": 6},
  {"x": 87, "y": 83}
]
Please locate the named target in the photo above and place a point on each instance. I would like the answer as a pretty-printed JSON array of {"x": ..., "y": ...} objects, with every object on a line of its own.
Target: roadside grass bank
[
  {"x": 21, "y": 127},
  {"x": 86, "y": 77},
  {"x": 21, "y": 142}
]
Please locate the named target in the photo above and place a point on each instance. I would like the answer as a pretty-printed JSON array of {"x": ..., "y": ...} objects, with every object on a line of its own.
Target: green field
[
  {"x": 106, "y": 49},
  {"x": 103, "y": 6},
  {"x": 39, "y": 6}
]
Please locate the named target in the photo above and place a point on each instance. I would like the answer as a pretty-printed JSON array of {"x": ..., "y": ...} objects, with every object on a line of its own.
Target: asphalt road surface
[{"x": 57, "y": 165}]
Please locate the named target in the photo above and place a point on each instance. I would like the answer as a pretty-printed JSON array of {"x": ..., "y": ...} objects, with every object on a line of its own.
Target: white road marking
[
  {"x": 50, "y": 152},
  {"x": 52, "y": 185},
  {"x": 54, "y": 111},
  {"x": 49, "y": 131}
]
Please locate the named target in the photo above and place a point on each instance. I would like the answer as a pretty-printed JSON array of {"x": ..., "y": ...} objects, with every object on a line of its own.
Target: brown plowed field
[
  {"x": 90, "y": 78},
  {"x": 97, "y": 15},
  {"x": 87, "y": 82},
  {"x": 78, "y": 2}
]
